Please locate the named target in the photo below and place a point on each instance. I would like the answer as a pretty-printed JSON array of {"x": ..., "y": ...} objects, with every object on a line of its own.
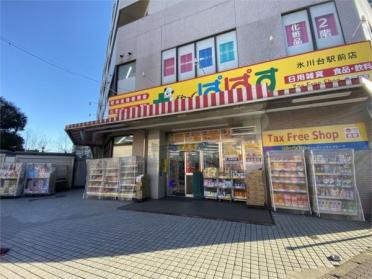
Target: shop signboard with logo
[
  {"x": 353, "y": 136},
  {"x": 331, "y": 64}
]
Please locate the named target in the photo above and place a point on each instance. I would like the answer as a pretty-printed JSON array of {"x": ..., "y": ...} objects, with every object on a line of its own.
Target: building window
[
  {"x": 206, "y": 57},
  {"x": 126, "y": 77},
  {"x": 186, "y": 65},
  {"x": 227, "y": 52},
  {"x": 325, "y": 28},
  {"x": 297, "y": 32},
  {"x": 169, "y": 66},
  {"x": 227, "y": 56},
  {"x": 219, "y": 52}
]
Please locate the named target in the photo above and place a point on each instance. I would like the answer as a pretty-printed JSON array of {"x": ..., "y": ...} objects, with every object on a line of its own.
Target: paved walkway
[{"x": 67, "y": 237}]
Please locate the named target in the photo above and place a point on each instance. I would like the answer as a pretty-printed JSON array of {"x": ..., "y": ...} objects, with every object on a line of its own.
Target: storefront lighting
[{"x": 321, "y": 97}]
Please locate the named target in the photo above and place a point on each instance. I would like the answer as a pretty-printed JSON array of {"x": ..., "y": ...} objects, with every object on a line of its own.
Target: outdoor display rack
[
  {"x": 131, "y": 171},
  {"x": 115, "y": 178},
  {"x": 288, "y": 180},
  {"x": 39, "y": 179},
  {"x": 333, "y": 183},
  {"x": 11, "y": 179}
]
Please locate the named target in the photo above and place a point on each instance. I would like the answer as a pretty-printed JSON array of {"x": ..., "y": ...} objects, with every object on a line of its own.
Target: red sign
[
  {"x": 296, "y": 34},
  {"x": 326, "y": 26},
  {"x": 354, "y": 68}
]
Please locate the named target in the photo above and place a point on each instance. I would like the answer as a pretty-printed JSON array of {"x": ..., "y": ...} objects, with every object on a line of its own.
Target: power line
[
  {"x": 12, "y": 44},
  {"x": 61, "y": 68}
]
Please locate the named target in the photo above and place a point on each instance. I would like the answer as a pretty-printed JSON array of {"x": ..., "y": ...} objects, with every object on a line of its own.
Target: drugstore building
[{"x": 217, "y": 85}]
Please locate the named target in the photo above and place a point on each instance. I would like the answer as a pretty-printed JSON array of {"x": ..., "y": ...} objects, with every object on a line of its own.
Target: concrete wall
[
  {"x": 64, "y": 164},
  {"x": 173, "y": 23},
  {"x": 155, "y": 155}
]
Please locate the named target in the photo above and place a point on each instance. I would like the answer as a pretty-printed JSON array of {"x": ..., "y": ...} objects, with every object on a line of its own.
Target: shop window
[
  {"x": 297, "y": 32},
  {"x": 227, "y": 52},
  {"x": 179, "y": 64},
  {"x": 169, "y": 66},
  {"x": 325, "y": 28},
  {"x": 206, "y": 57},
  {"x": 126, "y": 79},
  {"x": 186, "y": 67},
  {"x": 227, "y": 57}
]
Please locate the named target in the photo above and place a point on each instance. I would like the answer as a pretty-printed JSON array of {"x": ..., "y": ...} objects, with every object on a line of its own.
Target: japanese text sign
[
  {"x": 336, "y": 136},
  {"x": 309, "y": 68}
]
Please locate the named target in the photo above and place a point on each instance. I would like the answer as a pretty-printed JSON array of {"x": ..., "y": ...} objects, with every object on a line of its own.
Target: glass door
[
  {"x": 176, "y": 177},
  {"x": 192, "y": 164}
]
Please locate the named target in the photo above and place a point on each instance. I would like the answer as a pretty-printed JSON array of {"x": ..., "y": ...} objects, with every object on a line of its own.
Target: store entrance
[
  {"x": 192, "y": 164},
  {"x": 182, "y": 165}
]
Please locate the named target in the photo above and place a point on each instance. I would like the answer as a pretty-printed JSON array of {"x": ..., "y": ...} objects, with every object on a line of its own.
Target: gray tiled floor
[{"x": 67, "y": 237}]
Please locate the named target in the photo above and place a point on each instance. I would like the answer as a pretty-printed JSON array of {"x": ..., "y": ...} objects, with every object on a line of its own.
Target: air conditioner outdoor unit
[{"x": 247, "y": 130}]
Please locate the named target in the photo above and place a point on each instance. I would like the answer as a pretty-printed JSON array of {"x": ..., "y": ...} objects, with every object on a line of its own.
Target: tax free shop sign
[{"x": 324, "y": 137}]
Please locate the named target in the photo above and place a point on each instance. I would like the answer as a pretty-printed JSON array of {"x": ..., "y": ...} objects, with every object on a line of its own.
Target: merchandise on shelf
[
  {"x": 116, "y": 178},
  {"x": 288, "y": 180},
  {"x": 11, "y": 179},
  {"x": 211, "y": 182},
  {"x": 39, "y": 178},
  {"x": 225, "y": 183},
  {"x": 333, "y": 183},
  {"x": 210, "y": 172}
]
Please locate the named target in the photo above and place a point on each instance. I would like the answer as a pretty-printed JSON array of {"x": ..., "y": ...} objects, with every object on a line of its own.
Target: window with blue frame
[
  {"x": 227, "y": 53},
  {"x": 205, "y": 57}
]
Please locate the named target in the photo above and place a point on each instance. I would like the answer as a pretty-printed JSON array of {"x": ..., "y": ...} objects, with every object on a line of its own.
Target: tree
[{"x": 12, "y": 120}]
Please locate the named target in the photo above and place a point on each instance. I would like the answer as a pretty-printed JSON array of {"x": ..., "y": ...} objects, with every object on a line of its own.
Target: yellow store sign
[
  {"x": 336, "y": 136},
  {"x": 309, "y": 68}
]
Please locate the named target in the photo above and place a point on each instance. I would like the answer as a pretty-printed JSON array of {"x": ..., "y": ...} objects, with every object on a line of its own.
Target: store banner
[
  {"x": 325, "y": 137},
  {"x": 331, "y": 64}
]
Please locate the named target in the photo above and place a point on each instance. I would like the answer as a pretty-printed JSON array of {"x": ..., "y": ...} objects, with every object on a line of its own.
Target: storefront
[
  {"x": 239, "y": 129},
  {"x": 228, "y": 159}
]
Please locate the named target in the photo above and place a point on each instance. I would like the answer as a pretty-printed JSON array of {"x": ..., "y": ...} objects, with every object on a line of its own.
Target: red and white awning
[{"x": 239, "y": 96}]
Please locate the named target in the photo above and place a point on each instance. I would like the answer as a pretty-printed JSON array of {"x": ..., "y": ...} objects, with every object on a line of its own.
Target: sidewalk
[
  {"x": 67, "y": 237},
  {"x": 357, "y": 267}
]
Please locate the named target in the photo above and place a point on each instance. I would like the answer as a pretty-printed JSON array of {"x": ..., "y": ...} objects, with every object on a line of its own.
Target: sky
[{"x": 71, "y": 34}]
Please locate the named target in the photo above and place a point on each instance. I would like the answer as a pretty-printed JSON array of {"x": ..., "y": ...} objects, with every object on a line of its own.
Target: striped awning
[{"x": 238, "y": 96}]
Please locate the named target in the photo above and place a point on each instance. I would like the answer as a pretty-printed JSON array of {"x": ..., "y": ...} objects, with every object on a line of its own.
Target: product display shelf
[
  {"x": 39, "y": 179},
  {"x": 210, "y": 183},
  {"x": 109, "y": 189},
  {"x": 333, "y": 183},
  {"x": 11, "y": 179},
  {"x": 130, "y": 182},
  {"x": 95, "y": 178},
  {"x": 239, "y": 189},
  {"x": 288, "y": 180}
]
